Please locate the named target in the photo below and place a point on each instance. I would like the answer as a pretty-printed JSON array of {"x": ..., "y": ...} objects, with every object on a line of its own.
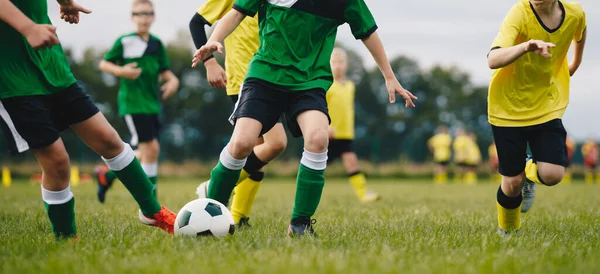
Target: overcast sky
[{"x": 447, "y": 32}]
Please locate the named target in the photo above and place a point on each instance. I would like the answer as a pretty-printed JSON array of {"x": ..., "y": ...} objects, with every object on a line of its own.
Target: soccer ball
[{"x": 204, "y": 217}]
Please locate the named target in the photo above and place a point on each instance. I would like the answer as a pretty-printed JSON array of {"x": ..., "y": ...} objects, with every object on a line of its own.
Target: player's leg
[
  {"x": 146, "y": 128},
  {"x": 512, "y": 147},
  {"x": 443, "y": 171},
  {"x": 149, "y": 151},
  {"x": 589, "y": 173},
  {"x": 356, "y": 177},
  {"x": 471, "y": 174},
  {"x": 547, "y": 166}
]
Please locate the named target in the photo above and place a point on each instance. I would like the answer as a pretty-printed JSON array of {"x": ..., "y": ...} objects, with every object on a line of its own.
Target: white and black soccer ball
[{"x": 204, "y": 217}]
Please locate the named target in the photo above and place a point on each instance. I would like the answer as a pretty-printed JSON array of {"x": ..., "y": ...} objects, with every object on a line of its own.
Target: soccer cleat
[
  {"x": 503, "y": 232},
  {"x": 370, "y": 196},
  {"x": 164, "y": 219},
  {"x": 528, "y": 193},
  {"x": 244, "y": 223},
  {"x": 103, "y": 182},
  {"x": 301, "y": 225},
  {"x": 145, "y": 220},
  {"x": 202, "y": 189}
]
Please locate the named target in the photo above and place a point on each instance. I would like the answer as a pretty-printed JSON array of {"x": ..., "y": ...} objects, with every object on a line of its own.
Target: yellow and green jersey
[
  {"x": 298, "y": 36},
  {"x": 25, "y": 71},
  {"x": 142, "y": 95},
  {"x": 241, "y": 44},
  {"x": 533, "y": 90},
  {"x": 340, "y": 102},
  {"x": 440, "y": 144}
]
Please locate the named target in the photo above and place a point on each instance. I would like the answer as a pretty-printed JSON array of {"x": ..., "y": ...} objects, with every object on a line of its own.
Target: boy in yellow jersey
[
  {"x": 571, "y": 146},
  {"x": 439, "y": 145},
  {"x": 528, "y": 95},
  {"x": 461, "y": 154},
  {"x": 340, "y": 102},
  {"x": 493, "y": 160},
  {"x": 590, "y": 160},
  {"x": 241, "y": 46},
  {"x": 473, "y": 159}
]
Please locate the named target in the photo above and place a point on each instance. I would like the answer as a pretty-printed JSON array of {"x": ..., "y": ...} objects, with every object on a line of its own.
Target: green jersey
[
  {"x": 298, "y": 36},
  {"x": 139, "y": 96},
  {"x": 25, "y": 71}
]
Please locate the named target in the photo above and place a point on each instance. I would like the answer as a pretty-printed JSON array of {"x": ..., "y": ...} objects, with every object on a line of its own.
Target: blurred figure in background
[
  {"x": 439, "y": 145},
  {"x": 473, "y": 159},
  {"x": 461, "y": 154},
  {"x": 571, "y": 146},
  {"x": 590, "y": 160},
  {"x": 495, "y": 177}
]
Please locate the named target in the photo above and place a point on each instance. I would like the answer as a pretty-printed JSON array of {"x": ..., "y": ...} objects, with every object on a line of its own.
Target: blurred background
[{"x": 437, "y": 49}]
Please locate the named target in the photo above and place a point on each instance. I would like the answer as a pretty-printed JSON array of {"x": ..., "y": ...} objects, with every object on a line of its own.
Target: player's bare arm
[
  {"x": 225, "y": 27},
  {"x": 69, "y": 11},
  {"x": 171, "y": 84},
  {"x": 502, "y": 57},
  {"x": 578, "y": 54},
  {"x": 37, "y": 35},
  {"x": 373, "y": 43},
  {"x": 129, "y": 71},
  {"x": 215, "y": 74}
]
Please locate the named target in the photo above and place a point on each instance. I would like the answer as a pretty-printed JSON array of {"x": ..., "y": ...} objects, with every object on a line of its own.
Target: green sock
[
  {"x": 222, "y": 182},
  {"x": 154, "y": 186},
  {"x": 111, "y": 176},
  {"x": 309, "y": 187},
  {"x": 135, "y": 180},
  {"x": 62, "y": 218}
]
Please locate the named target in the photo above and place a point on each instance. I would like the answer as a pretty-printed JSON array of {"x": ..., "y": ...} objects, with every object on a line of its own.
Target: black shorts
[
  {"x": 36, "y": 121},
  {"x": 267, "y": 102},
  {"x": 142, "y": 127},
  {"x": 337, "y": 147},
  {"x": 547, "y": 142}
]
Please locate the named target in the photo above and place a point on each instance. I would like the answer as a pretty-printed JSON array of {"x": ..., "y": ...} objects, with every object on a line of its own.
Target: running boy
[{"x": 289, "y": 75}]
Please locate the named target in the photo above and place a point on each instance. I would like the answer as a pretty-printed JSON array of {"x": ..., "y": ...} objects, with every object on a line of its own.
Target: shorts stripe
[
  {"x": 21, "y": 144},
  {"x": 132, "y": 130},
  {"x": 231, "y": 117}
]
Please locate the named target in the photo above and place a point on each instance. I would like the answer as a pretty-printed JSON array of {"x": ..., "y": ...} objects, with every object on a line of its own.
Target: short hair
[{"x": 137, "y": 2}]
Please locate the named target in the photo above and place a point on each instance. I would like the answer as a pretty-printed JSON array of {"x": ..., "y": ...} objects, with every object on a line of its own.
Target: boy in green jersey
[
  {"x": 39, "y": 98},
  {"x": 140, "y": 60},
  {"x": 290, "y": 75}
]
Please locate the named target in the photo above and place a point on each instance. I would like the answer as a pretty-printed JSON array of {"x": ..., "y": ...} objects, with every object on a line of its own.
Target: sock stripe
[
  {"x": 508, "y": 202},
  {"x": 150, "y": 169},
  {"x": 257, "y": 176},
  {"x": 229, "y": 162},
  {"x": 354, "y": 173},
  {"x": 122, "y": 160},
  {"x": 57, "y": 197},
  {"x": 315, "y": 161}
]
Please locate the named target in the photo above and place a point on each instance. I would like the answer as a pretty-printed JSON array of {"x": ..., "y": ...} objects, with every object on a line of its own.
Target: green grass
[{"x": 416, "y": 228}]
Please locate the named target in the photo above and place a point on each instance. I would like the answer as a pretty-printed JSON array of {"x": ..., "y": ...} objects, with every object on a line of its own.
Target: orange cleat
[{"x": 164, "y": 219}]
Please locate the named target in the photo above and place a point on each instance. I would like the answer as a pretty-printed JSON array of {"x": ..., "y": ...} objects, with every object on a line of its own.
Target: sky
[{"x": 434, "y": 32}]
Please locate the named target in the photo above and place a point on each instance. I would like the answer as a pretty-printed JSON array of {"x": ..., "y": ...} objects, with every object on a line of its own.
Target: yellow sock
[
  {"x": 243, "y": 198},
  {"x": 243, "y": 176},
  {"x": 458, "y": 178},
  {"x": 359, "y": 182},
  {"x": 567, "y": 178},
  {"x": 509, "y": 220},
  {"x": 443, "y": 177},
  {"x": 531, "y": 172},
  {"x": 470, "y": 177},
  {"x": 437, "y": 178},
  {"x": 6, "y": 178},
  {"x": 589, "y": 178}
]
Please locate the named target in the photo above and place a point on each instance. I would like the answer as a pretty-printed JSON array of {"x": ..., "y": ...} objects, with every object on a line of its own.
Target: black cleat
[
  {"x": 301, "y": 225},
  {"x": 244, "y": 223}
]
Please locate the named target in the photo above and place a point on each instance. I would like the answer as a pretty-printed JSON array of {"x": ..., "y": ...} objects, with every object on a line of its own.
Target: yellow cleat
[{"x": 370, "y": 196}]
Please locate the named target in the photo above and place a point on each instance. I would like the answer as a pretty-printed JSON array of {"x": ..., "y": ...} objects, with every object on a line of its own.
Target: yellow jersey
[
  {"x": 240, "y": 45},
  {"x": 440, "y": 144},
  {"x": 533, "y": 90},
  {"x": 340, "y": 102},
  {"x": 461, "y": 149},
  {"x": 474, "y": 153},
  {"x": 492, "y": 152}
]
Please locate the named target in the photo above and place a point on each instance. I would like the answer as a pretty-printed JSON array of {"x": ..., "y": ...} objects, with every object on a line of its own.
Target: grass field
[{"x": 416, "y": 228}]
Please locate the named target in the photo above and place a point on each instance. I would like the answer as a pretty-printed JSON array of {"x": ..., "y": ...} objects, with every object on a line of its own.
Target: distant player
[
  {"x": 39, "y": 98},
  {"x": 528, "y": 95},
  {"x": 140, "y": 60},
  {"x": 241, "y": 46},
  {"x": 493, "y": 161},
  {"x": 571, "y": 146},
  {"x": 590, "y": 160},
  {"x": 340, "y": 102},
  {"x": 460, "y": 146},
  {"x": 290, "y": 75},
  {"x": 439, "y": 144},
  {"x": 473, "y": 159}
]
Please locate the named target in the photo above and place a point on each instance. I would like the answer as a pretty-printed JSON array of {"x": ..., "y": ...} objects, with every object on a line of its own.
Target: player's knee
[
  {"x": 152, "y": 150},
  {"x": 552, "y": 176},
  {"x": 59, "y": 168},
  {"x": 112, "y": 144},
  {"x": 513, "y": 184},
  {"x": 316, "y": 140},
  {"x": 241, "y": 147},
  {"x": 277, "y": 146}
]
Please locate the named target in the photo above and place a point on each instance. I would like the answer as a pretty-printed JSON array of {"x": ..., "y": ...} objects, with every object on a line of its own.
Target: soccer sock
[
  {"x": 509, "y": 211},
  {"x": 359, "y": 181},
  {"x": 224, "y": 176},
  {"x": 253, "y": 165},
  {"x": 151, "y": 171},
  {"x": 531, "y": 172},
  {"x": 60, "y": 206},
  {"x": 309, "y": 184},
  {"x": 243, "y": 196},
  {"x": 589, "y": 177},
  {"x": 470, "y": 177},
  {"x": 568, "y": 177},
  {"x": 130, "y": 173}
]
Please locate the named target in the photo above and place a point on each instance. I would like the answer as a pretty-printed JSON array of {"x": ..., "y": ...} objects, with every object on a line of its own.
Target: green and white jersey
[
  {"x": 25, "y": 71},
  {"x": 139, "y": 96},
  {"x": 298, "y": 36}
]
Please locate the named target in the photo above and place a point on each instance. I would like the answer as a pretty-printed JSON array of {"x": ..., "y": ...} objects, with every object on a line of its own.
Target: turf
[{"x": 416, "y": 228}]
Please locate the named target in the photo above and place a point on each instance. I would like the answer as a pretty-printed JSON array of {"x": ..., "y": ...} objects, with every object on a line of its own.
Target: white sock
[
  {"x": 229, "y": 162},
  {"x": 315, "y": 161},
  {"x": 57, "y": 197},
  {"x": 151, "y": 170},
  {"x": 122, "y": 160}
]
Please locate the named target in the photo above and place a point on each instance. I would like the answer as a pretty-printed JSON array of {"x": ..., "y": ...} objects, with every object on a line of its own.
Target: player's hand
[
  {"x": 69, "y": 11},
  {"x": 41, "y": 36},
  {"x": 169, "y": 88},
  {"x": 539, "y": 47},
  {"x": 215, "y": 74},
  {"x": 394, "y": 87},
  {"x": 130, "y": 71},
  {"x": 205, "y": 51}
]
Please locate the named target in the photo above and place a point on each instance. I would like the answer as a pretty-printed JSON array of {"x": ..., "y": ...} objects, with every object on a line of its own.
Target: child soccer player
[
  {"x": 140, "y": 60},
  {"x": 460, "y": 146},
  {"x": 473, "y": 159},
  {"x": 528, "y": 95},
  {"x": 493, "y": 160},
  {"x": 289, "y": 75},
  {"x": 590, "y": 160},
  {"x": 439, "y": 145},
  {"x": 340, "y": 103},
  {"x": 39, "y": 98},
  {"x": 571, "y": 146},
  {"x": 241, "y": 46}
]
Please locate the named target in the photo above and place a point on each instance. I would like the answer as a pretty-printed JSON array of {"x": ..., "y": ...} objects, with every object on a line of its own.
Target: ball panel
[
  {"x": 213, "y": 209},
  {"x": 200, "y": 220},
  {"x": 183, "y": 218},
  {"x": 220, "y": 226}
]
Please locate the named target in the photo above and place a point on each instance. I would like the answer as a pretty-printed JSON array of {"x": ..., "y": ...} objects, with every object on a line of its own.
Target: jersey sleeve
[
  {"x": 213, "y": 10},
  {"x": 510, "y": 28},
  {"x": 163, "y": 59},
  {"x": 360, "y": 19},
  {"x": 115, "y": 54},
  {"x": 248, "y": 7},
  {"x": 578, "y": 36}
]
